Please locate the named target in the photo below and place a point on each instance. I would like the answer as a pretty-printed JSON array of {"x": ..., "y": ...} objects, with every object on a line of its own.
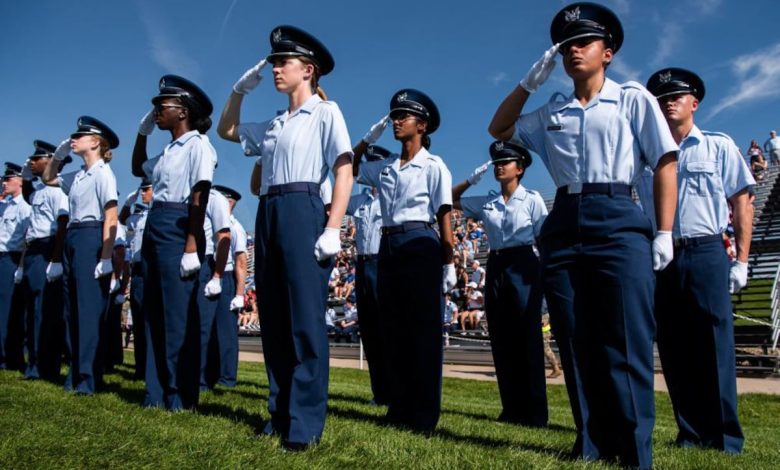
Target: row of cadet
[{"x": 615, "y": 277}]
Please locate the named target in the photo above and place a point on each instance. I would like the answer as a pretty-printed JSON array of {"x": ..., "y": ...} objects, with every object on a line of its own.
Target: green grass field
[{"x": 41, "y": 426}]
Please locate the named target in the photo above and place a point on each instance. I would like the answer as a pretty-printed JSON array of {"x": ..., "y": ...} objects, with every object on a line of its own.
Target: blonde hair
[
  {"x": 315, "y": 78},
  {"x": 105, "y": 150}
]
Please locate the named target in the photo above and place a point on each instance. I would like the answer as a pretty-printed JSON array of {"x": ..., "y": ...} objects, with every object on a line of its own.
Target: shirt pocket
[{"x": 702, "y": 178}]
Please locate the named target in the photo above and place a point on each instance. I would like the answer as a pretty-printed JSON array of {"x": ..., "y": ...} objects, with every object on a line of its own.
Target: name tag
[{"x": 555, "y": 127}]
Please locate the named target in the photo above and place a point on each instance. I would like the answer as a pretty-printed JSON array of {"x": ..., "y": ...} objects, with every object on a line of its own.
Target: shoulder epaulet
[{"x": 632, "y": 85}]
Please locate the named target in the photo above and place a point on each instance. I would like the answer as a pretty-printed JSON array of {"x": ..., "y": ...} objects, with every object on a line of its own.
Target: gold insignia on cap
[
  {"x": 278, "y": 35},
  {"x": 499, "y": 146},
  {"x": 370, "y": 149},
  {"x": 162, "y": 82},
  {"x": 401, "y": 97},
  {"x": 665, "y": 77},
  {"x": 572, "y": 15}
]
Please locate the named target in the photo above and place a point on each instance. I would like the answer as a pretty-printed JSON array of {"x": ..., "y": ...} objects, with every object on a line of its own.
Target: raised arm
[{"x": 231, "y": 113}]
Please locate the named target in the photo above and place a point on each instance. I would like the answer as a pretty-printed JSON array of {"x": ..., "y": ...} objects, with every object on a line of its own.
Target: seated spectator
[
  {"x": 475, "y": 308},
  {"x": 330, "y": 320},
  {"x": 758, "y": 166},
  {"x": 477, "y": 274},
  {"x": 474, "y": 235},
  {"x": 333, "y": 281},
  {"x": 347, "y": 327},
  {"x": 450, "y": 318},
  {"x": 345, "y": 285}
]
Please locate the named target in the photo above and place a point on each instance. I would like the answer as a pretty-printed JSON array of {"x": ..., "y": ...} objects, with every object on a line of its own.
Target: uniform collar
[
  {"x": 307, "y": 107},
  {"x": 98, "y": 164},
  {"x": 695, "y": 133},
  {"x": 420, "y": 159},
  {"x": 610, "y": 91},
  {"x": 17, "y": 199},
  {"x": 185, "y": 137},
  {"x": 520, "y": 194}
]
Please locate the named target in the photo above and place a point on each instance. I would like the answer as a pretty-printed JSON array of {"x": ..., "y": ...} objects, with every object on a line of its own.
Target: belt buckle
[{"x": 574, "y": 188}]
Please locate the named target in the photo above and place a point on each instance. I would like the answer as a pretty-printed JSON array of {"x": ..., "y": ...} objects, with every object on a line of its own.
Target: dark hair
[
  {"x": 195, "y": 115},
  {"x": 426, "y": 141}
]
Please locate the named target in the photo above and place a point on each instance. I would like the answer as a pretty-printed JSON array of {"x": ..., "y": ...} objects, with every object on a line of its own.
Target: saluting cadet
[
  {"x": 134, "y": 214},
  {"x": 225, "y": 334},
  {"x": 415, "y": 191},
  {"x": 173, "y": 240},
  {"x": 693, "y": 307},
  {"x": 92, "y": 228},
  {"x": 367, "y": 212},
  {"x": 211, "y": 280},
  {"x": 42, "y": 283},
  {"x": 15, "y": 216},
  {"x": 596, "y": 246},
  {"x": 513, "y": 289},
  {"x": 296, "y": 150}
]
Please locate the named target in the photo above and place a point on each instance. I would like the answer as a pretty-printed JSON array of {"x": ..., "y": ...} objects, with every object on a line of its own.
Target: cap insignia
[
  {"x": 401, "y": 97},
  {"x": 665, "y": 77},
  {"x": 278, "y": 35},
  {"x": 572, "y": 15},
  {"x": 499, "y": 146}
]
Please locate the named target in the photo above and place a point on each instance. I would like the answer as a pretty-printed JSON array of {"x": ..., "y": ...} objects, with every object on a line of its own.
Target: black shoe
[{"x": 289, "y": 446}]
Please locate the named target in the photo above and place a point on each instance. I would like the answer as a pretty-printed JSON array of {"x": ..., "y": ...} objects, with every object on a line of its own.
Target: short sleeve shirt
[
  {"x": 367, "y": 212},
  {"x": 89, "y": 190},
  {"x": 48, "y": 204},
  {"x": 182, "y": 164},
  {"x": 15, "y": 216},
  {"x": 217, "y": 219},
  {"x": 237, "y": 242}
]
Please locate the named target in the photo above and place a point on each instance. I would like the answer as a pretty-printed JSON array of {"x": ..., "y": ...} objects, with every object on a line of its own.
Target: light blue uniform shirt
[
  {"x": 89, "y": 190},
  {"x": 516, "y": 222},
  {"x": 48, "y": 204},
  {"x": 326, "y": 192},
  {"x": 412, "y": 193},
  {"x": 136, "y": 223},
  {"x": 299, "y": 146},
  {"x": 237, "y": 242},
  {"x": 15, "y": 216},
  {"x": 609, "y": 140},
  {"x": 217, "y": 219},
  {"x": 367, "y": 212},
  {"x": 121, "y": 236},
  {"x": 182, "y": 164}
]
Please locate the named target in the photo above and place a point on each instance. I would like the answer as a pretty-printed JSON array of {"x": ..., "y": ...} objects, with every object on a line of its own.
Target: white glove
[
  {"x": 237, "y": 303},
  {"x": 250, "y": 79},
  {"x": 448, "y": 278},
  {"x": 53, "y": 271},
  {"x": 27, "y": 174},
  {"x": 119, "y": 299},
  {"x": 114, "y": 286},
  {"x": 213, "y": 287},
  {"x": 477, "y": 174},
  {"x": 131, "y": 198},
  {"x": 329, "y": 244},
  {"x": 663, "y": 250},
  {"x": 540, "y": 70},
  {"x": 737, "y": 276},
  {"x": 103, "y": 268},
  {"x": 62, "y": 150},
  {"x": 18, "y": 275},
  {"x": 147, "y": 123},
  {"x": 376, "y": 130},
  {"x": 190, "y": 264}
]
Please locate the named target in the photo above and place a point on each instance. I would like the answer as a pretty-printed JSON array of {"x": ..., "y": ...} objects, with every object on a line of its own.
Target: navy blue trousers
[
  {"x": 598, "y": 280},
  {"x": 696, "y": 345},
  {"x": 113, "y": 351},
  {"x": 412, "y": 310},
  {"x": 207, "y": 306},
  {"x": 513, "y": 303},
  {"x": 292, "y": 293},
  {"x": 44, "y": 314},
  {"x": 225, "y": 336},
  {"x": 371, "y": 331},
  {"x": 86, "y": 300},
  {"x": 172, "y": 316},
  {"x": 11, "y": 315},
  {"x": 138, "y": 309}
]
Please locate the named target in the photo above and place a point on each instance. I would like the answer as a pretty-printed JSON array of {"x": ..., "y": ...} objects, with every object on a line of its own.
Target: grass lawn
[{"x": 41, "y": 426}]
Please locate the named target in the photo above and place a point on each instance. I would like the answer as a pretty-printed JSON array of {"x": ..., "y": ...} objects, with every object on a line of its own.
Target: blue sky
[{"x": 64, "y": 58}]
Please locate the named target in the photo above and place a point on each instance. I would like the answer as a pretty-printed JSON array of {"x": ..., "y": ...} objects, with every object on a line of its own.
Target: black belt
[
  {"x": 86, "y": 224},
  {"x": 611, "y": 189},
  {"x": 513, "y": 250},
  {"x": 366, "y": 257},
  {"x": 311, "y": 188},
  {"x": 696, "y": 241},
  {"x": 404, "y": 227},
  {"x": 40, "y": 241},
  {"x": 170, "y": 205}
]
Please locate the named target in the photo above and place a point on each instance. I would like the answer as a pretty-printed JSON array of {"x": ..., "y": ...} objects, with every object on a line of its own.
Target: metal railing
[{"x": 775, "y": 307}]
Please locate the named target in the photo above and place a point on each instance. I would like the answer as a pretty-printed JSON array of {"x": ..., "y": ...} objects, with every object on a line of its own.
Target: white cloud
[
  {"x": 757, "y": 75},
  {"x": 620, "y": 7},
  {"x": 164, "y": 50},
  {"x": 672, "y": 35},
  {"x": 623, "y": 70},
  {"x": 498, "y": 78},
  {"x": 225, "y": 21},
  {"x": 706, "y": 7}
]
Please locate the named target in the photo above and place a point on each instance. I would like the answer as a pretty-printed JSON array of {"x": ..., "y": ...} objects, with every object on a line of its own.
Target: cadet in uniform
[
  {"x": 133, "y": 215},
  {"x": 42, "y": 283},
  {"x": 92, "y": 228},
  {"x": 692, "y": 303},
  {"x": 366, "y": 210},
  {"x": 415, "y": 264},
  {"x": 596, "y": 246},
  {"x": 173, "y": 239},
  {"x": 513, "y": 289},
  {"x": 296, "y": 150},
  {"x": 15, "y": 216}
]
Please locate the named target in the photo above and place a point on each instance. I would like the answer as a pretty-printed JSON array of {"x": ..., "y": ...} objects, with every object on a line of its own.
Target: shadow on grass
[{"x": 253, "y": 420}]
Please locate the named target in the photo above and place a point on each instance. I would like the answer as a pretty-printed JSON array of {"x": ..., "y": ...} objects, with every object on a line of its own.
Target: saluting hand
[
  {"x": 250, "y": 79},
  {"x": 213, "y": 287},
  {"x": 62, "y": 150},
  {"x": 541, "y": 70},
  {"x": 328, "y": 245},
  {"x": 190, "y": 264},
  {"x": 448, "y": 278},
  {"x": 376, "y": 130},
  {"x": 737, "y": 276},
  {"x": 477, "y": 174},
  {"x": 103, "y": 268},
  {"x": 53, "y": 271},
  {"x": 18, "y": 274},
  {"x": 663, "y": 250},
  {"x": 147, "y": 123}
]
